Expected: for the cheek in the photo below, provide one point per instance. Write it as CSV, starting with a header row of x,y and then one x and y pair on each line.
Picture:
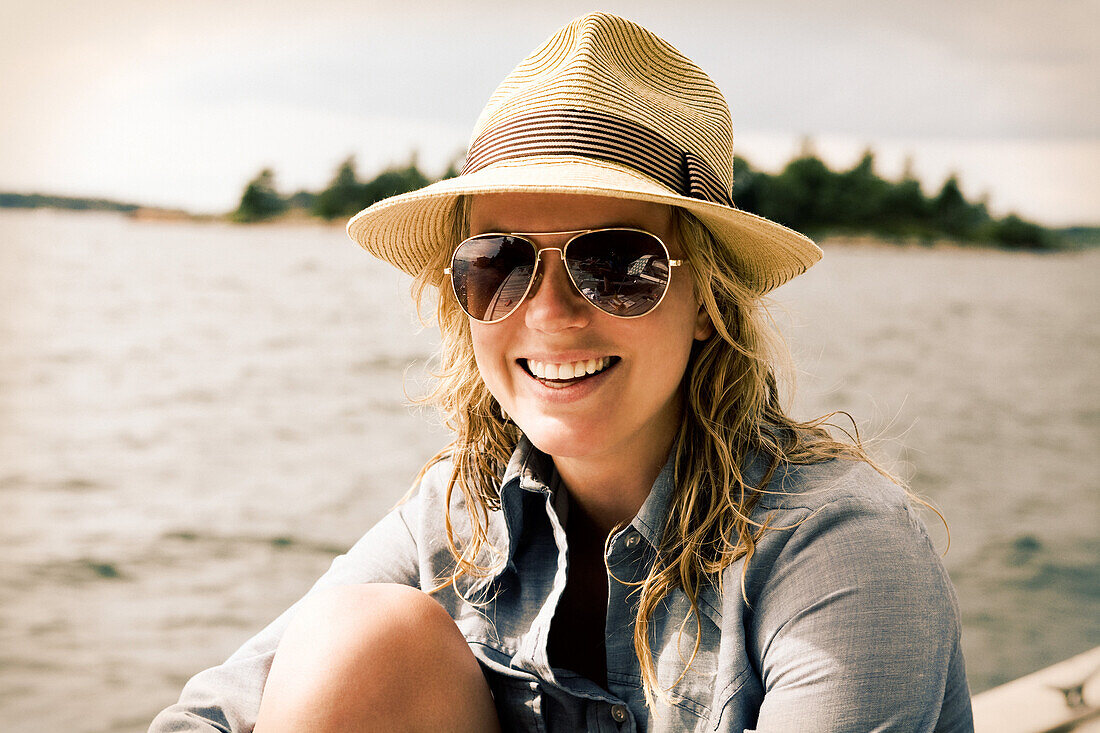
x,y
489,345
664,345
482,346
683,313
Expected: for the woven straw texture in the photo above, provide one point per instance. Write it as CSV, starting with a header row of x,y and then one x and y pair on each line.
x,y
648,124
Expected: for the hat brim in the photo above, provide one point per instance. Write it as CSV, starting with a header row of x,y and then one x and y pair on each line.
x,y
406,230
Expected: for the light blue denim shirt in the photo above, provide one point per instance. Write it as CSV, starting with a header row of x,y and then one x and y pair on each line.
x,y
850,622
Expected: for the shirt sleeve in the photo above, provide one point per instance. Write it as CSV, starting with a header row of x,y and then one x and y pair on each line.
x,y
227,697
857,628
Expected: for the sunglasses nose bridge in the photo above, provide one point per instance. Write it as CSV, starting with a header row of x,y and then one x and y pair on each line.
x,y
539,253
539,272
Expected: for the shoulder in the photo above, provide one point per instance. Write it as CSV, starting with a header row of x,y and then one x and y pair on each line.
x,y
437,491
841,521
815,486
442,514
843,607
835,497
433,498
434,480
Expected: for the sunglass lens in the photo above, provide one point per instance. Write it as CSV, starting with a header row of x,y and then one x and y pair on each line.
x,y
621,271
491,275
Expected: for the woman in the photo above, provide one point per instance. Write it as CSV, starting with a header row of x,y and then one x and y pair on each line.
x,y
627,531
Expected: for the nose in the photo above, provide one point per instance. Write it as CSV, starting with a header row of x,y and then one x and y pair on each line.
x,y
554,304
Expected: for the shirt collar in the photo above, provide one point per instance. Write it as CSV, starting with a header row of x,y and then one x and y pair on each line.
x,y
528,468
651,517
531,470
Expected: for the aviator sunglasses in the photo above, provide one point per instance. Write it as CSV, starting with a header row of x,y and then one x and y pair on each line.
x,y
623,272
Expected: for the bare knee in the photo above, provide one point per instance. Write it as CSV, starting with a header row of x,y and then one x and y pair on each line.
x,y
365,657
379,617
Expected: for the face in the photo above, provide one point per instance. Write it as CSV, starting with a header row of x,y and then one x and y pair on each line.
x,y
633,404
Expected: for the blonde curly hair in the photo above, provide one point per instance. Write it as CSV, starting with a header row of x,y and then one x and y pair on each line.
x,y
732,406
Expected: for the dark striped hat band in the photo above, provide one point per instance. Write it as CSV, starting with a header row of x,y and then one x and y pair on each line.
x,y
603,137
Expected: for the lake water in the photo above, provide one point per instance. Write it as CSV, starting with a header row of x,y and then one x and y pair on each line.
x,y
194,418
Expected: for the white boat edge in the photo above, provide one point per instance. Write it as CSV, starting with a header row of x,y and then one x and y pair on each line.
x,y
1062,697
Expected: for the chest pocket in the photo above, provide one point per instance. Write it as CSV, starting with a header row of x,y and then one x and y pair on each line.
x,y
701,685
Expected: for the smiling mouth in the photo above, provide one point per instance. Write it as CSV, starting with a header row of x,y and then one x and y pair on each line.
x,y
567,372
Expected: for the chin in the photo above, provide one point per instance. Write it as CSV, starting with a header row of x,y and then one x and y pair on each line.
x,y
562,441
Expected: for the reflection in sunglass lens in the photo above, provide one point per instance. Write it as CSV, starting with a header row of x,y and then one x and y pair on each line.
x,y
620,271
491,275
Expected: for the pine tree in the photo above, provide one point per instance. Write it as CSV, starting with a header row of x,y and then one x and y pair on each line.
x,y
260,199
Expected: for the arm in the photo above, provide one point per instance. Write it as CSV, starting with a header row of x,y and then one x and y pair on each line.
x,y
856,627
226,698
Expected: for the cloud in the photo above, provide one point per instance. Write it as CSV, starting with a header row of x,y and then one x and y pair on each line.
x,y
108,91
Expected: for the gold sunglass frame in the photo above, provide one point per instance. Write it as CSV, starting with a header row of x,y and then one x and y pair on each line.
x,y
535,272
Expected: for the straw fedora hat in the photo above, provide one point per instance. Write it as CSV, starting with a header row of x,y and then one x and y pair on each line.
x,y
605,108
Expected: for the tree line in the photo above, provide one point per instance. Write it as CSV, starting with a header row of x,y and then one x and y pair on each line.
x,y
807,195
74,203
344,196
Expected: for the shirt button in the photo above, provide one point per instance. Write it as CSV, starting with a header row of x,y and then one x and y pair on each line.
x,y
633,539
618,713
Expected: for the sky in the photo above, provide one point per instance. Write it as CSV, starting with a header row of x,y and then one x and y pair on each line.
x,y
179,103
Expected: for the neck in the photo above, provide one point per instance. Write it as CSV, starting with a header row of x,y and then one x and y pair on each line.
x,y
610,489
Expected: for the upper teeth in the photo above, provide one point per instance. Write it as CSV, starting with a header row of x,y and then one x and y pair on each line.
x,y
570,370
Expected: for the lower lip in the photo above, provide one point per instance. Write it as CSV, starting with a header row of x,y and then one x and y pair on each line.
x,y
562,392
